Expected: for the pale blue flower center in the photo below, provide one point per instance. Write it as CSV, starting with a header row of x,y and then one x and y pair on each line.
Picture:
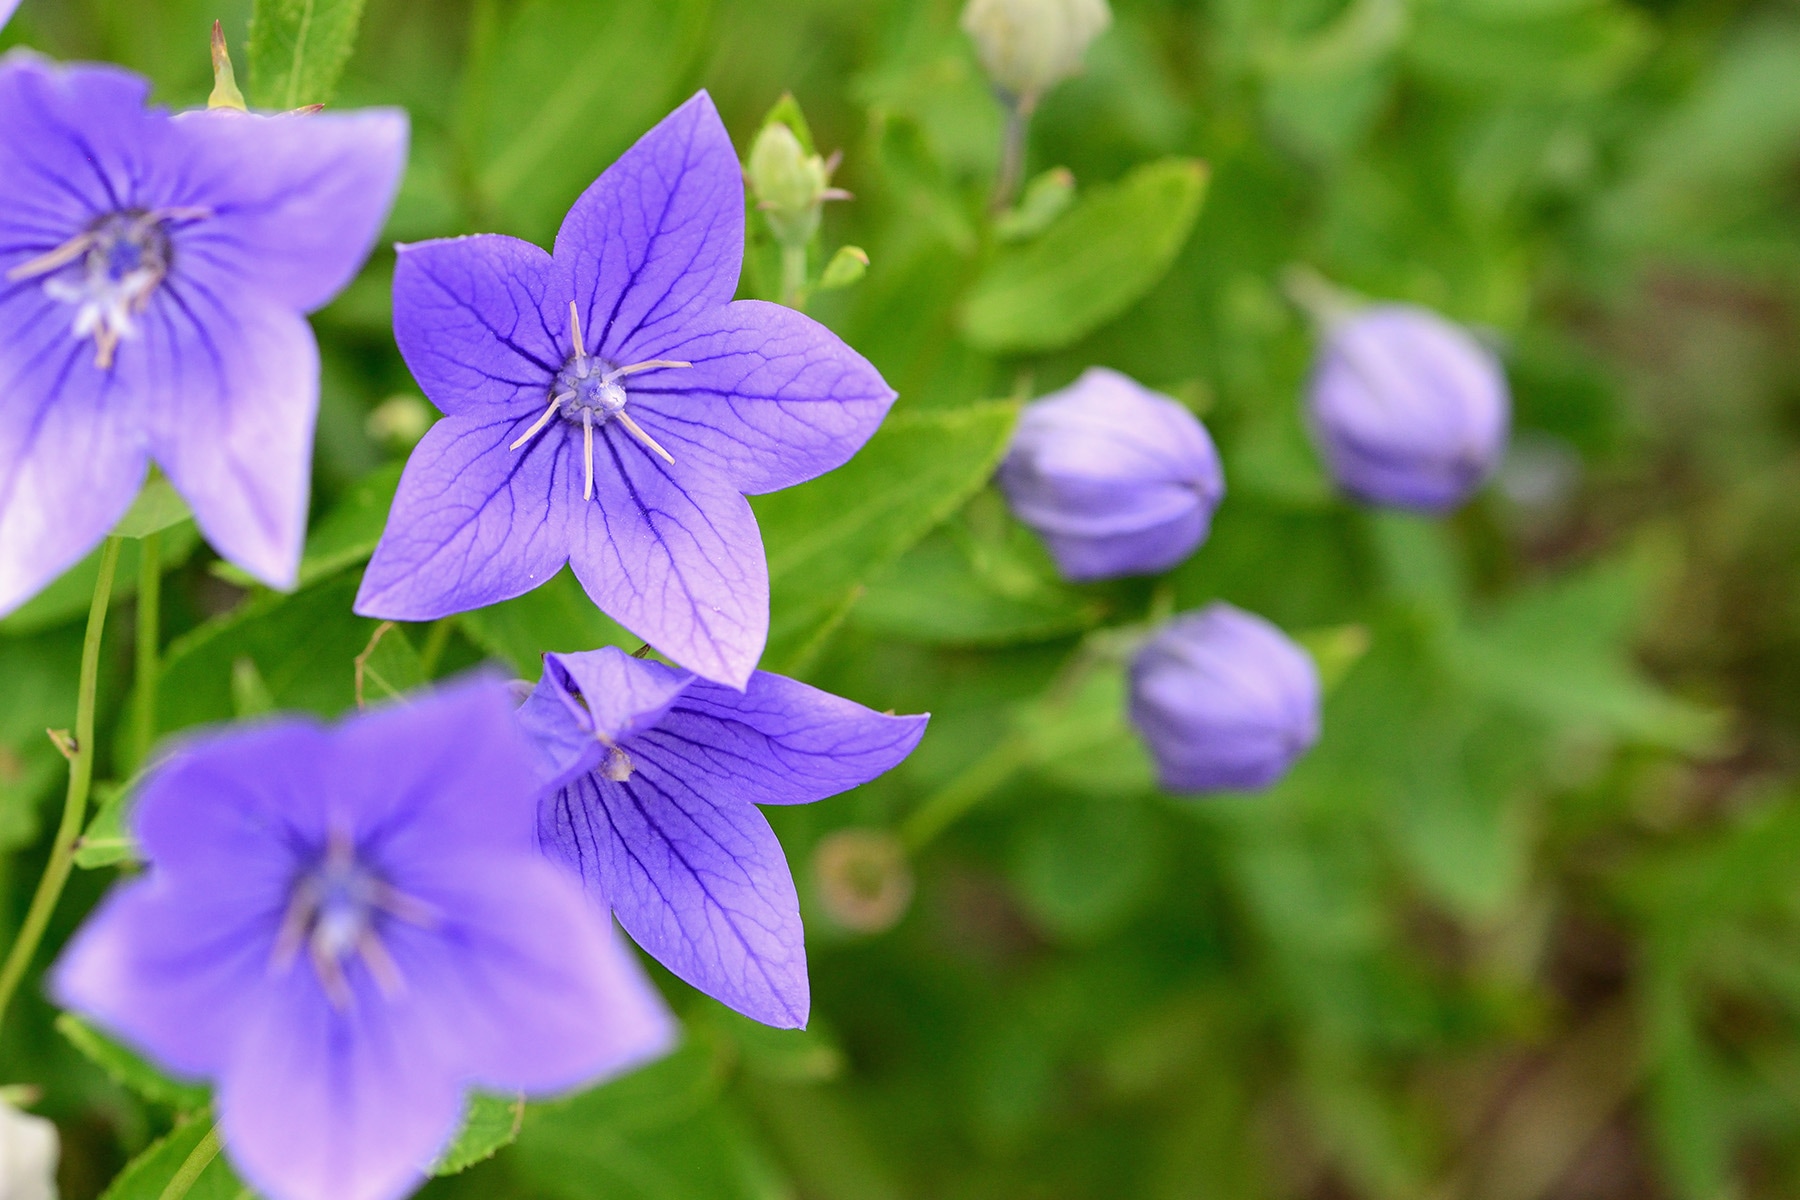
x,y
339,910
591,388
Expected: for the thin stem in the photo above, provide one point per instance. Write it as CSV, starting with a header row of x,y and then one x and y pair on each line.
x,y
149,647
1012,156
193,1166
978,781
793,275
81,777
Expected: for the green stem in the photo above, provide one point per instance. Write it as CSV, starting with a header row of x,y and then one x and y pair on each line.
x,y
436,639
149,646
81,777
978,781
198,1159
793,275
1012,157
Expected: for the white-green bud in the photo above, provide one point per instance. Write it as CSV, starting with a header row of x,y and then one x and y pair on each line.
x,y
29,1149
1028,47
790,185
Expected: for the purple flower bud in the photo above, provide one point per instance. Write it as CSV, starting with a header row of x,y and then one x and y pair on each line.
x,y
1409,410
1117,479
1224,700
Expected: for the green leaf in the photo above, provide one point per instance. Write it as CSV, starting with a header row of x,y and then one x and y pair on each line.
x,y
66,600
346,536
157,507
1046,198
490,1125
557,89
1082,866
129,1069
1090,266
846,267
107,841
825,539
557,616
298,48
388,666
39,676
147,1177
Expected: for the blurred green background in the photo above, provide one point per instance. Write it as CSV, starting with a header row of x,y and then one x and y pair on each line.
x,y
1525,926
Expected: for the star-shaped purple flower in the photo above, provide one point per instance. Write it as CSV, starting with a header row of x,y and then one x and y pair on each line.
x,y
346,929
154,269
652,781
609,406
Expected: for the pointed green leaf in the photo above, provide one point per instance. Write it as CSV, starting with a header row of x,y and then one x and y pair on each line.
x,y
298,48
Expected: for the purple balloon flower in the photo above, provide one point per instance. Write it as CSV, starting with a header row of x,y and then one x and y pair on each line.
x,y
1409,409
653,777
154,270
1117,479
1224,700
609,406
346,929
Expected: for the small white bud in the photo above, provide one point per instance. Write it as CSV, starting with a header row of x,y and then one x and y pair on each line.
x,y
789,183
29,1149
1028,47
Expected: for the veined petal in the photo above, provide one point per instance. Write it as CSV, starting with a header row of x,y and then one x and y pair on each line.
x,y
778,742
588,702
658,239
701,884
71,454
296,202
228,383
469,318
680,564
773,397
473,523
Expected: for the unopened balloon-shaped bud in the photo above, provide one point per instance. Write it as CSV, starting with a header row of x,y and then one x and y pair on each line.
x,y
1224,700
1409,410
1117,479
29,1149
790,183
1028,47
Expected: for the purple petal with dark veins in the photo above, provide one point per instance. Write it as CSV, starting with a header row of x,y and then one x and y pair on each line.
x,y
296,202
71,457
227,387
473,523
773,397
590,701
702,884
672,555
658,240
777,742
469,316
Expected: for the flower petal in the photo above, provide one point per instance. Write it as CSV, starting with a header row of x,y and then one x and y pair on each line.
x,y
71,458
773,397
779,741
469,318
473,523
701,884
679,562
296,202
228,384
658,240
589,701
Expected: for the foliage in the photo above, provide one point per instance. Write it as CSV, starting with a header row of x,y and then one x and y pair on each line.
x,y
1525,925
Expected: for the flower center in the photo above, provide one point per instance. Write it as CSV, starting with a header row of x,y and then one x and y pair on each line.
x,y
109,272
587,393
337,911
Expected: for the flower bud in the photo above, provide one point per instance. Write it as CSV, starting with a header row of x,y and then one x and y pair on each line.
x,y
1409,410
1028,47
1224,700
29,1149
1117,479
790,185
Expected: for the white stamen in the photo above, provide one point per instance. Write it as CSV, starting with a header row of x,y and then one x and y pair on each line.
x,y
575,333
541,421
62,256
637,431
655,364
587,449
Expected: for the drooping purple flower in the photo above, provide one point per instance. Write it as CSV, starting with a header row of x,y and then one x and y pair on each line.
x,y
1409,409
154,269
653,776
1117,479
609,406
1224,700
347,928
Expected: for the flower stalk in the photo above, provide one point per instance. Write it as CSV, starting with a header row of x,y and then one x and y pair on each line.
x,y
149,646
81,778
